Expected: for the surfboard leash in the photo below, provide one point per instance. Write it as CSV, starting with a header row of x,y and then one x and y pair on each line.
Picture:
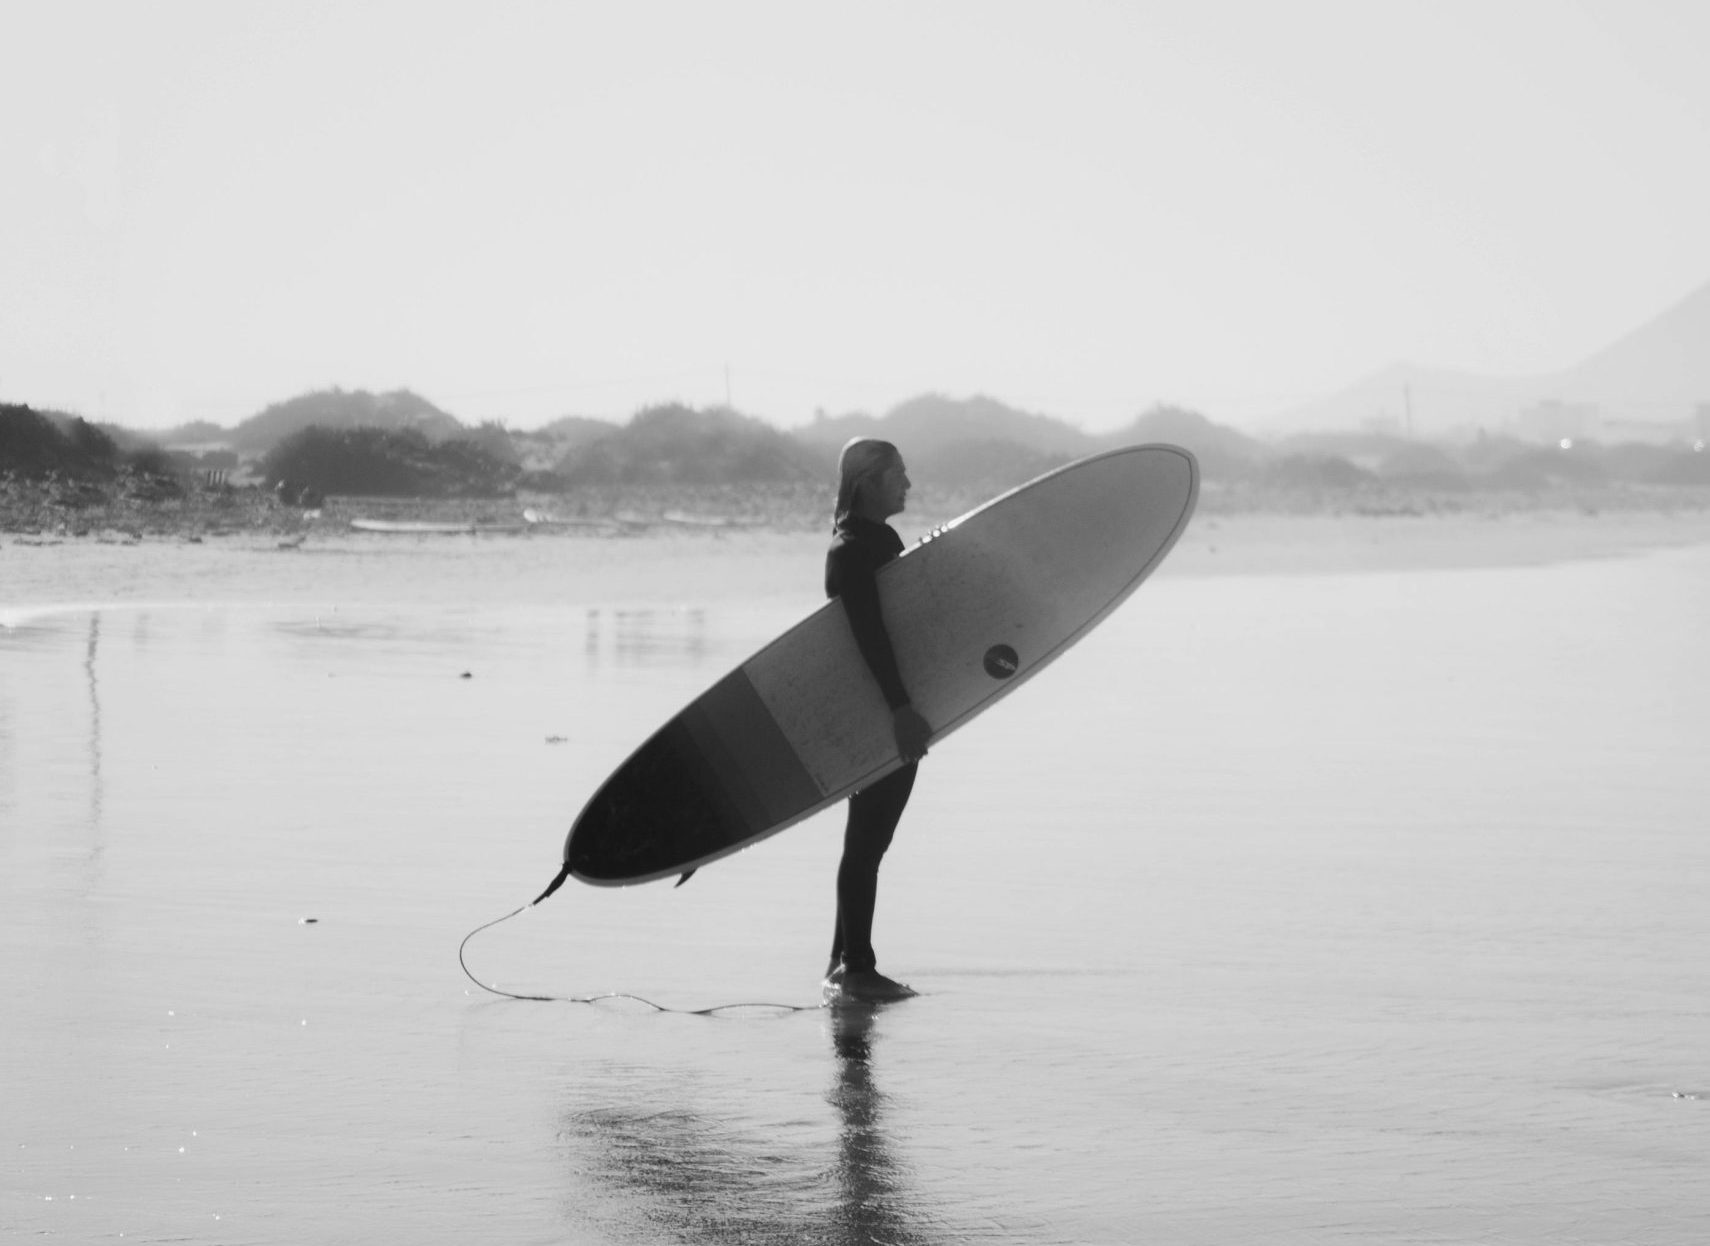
x,y
715,1010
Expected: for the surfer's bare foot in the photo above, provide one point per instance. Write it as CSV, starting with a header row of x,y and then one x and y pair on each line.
x,y
873,987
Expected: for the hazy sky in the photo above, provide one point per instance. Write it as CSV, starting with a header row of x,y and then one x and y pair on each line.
x,y
529,210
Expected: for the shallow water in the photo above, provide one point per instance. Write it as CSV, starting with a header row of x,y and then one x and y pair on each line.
x,y
1365,909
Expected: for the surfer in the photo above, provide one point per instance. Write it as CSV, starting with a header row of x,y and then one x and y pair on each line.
x,y
873,485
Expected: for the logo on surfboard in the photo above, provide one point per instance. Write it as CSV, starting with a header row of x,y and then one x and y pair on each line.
x,y
1001,662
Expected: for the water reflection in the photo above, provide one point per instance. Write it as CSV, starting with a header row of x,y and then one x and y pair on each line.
x,y
646,637
331,626
672,1172
873,1204
96,791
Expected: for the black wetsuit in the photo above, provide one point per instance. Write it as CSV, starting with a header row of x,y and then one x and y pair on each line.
x,y
859,548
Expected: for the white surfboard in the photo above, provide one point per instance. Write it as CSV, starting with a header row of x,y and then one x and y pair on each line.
x,y
974,611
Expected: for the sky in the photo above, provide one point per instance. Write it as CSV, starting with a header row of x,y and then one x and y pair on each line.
x,y
528,210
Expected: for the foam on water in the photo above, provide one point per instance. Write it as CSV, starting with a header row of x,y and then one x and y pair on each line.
x,y
1326,909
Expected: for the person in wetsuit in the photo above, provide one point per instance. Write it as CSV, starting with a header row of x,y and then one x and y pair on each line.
x,y
873,485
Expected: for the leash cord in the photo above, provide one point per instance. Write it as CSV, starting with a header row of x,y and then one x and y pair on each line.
x,y
715,1010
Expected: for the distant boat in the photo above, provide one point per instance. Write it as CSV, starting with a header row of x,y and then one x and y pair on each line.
x,y
421,527
688,519
416,526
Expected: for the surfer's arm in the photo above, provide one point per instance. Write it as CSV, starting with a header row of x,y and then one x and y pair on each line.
x,y
853,581
858,590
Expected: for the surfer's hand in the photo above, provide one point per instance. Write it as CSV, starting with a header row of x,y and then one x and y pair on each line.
x,y
913,733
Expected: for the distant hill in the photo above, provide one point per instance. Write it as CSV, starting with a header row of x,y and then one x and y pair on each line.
x,y
338,408
1408,400
1641,386
675,444
35,445
195,433
383,462
959,444
933,422
980,443
965,446
1221,451
959,452
968,446
575,430
1655,372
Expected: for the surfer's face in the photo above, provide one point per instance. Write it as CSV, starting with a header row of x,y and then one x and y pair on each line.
x,y
890,489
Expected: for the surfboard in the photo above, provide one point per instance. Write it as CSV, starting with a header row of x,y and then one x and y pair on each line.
x,y
974,610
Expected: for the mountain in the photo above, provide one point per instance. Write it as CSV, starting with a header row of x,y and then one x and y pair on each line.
x,y
674,444
1646,386
1654,371
980,443
337,408
930,423
1221,451
543,449
976,443
1410,400
195,433
36,445
575,430
385,462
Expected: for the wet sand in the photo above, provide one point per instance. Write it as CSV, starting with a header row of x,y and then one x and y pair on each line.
x,y
1346,887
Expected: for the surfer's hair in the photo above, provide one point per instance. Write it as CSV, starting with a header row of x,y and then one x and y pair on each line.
x,y
861,460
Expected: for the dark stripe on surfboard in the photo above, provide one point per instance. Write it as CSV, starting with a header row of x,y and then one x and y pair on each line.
x,y
714,777
747,752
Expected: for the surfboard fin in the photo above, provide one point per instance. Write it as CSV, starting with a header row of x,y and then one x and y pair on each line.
x,y
687,875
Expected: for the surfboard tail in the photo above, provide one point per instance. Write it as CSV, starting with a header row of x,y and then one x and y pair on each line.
x,y
554,885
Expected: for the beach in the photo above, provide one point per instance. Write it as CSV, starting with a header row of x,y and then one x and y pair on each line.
x,y
1347,885
335,564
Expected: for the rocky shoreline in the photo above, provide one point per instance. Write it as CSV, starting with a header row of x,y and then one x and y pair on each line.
x,y
134,507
